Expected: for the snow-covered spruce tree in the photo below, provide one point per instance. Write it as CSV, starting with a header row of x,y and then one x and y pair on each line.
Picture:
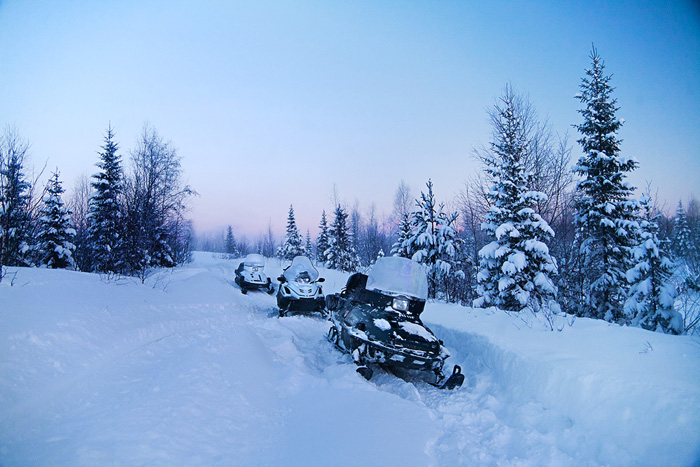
x,y
292,245
309,248
15,220
683,245
322,240
606,218
650,303
433,240
105,212
340,254
230,243
404,233
56,233
515,269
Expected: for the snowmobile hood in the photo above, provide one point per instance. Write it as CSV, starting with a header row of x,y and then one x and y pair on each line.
x,y
397,276
254,259
299,265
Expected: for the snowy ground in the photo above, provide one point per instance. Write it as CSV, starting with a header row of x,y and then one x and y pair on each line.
x,y
186,370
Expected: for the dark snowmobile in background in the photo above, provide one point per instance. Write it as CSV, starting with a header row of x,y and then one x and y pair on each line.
x,y
300,288
376,319
250,275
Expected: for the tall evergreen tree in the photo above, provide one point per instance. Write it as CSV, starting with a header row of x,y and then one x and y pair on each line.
x,y
15,221
104,217
56,233
433,239
606,213
652,294
340,253
515,268
322,240
292,245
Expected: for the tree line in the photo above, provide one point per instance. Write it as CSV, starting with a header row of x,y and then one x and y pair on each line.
x,y
530,232
118,222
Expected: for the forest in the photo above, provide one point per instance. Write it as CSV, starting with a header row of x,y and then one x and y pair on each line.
x,y
533,231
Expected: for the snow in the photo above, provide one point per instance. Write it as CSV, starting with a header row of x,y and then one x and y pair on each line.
x,y
185,370
382,324
417,330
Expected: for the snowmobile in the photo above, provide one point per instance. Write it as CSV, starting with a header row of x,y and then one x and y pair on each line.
x,y
250,275
300,290
376,319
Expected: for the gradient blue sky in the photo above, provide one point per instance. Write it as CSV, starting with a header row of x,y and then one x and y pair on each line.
x,y
271,103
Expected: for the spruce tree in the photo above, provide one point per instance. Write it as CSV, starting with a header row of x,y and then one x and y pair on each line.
x,y
15,221
683,245
404,233
433,239
309,248
104,218
292,245
322,240
340,253
55,245
606,213
650,303
515,270
230,243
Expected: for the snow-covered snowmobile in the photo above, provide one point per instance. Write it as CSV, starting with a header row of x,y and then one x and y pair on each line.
x,y
376,319
250,275
300,288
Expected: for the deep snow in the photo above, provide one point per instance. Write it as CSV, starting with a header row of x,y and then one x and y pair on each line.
x,y
185,370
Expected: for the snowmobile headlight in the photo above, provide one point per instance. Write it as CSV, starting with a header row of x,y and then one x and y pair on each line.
x,y
255,268
400,304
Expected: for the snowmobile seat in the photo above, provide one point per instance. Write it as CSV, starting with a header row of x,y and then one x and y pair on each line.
x,y
356,283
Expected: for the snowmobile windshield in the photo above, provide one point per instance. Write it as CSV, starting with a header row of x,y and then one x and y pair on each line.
x,y
254,260
396,276
301,270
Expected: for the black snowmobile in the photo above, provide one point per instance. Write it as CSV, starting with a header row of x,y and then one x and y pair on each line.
x,y
250,275
300,290
376,319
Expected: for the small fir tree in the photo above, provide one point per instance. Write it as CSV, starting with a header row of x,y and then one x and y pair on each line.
x,y
104,217
683,245
56,233
652,295
230,243
322,240
433,239
606,214
292,245
340,253
515,269
404,233
309,248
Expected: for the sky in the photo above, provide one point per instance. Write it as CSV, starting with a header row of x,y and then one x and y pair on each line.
x,y
288,102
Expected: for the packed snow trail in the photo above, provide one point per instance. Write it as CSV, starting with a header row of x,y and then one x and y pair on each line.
x,y
186,370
